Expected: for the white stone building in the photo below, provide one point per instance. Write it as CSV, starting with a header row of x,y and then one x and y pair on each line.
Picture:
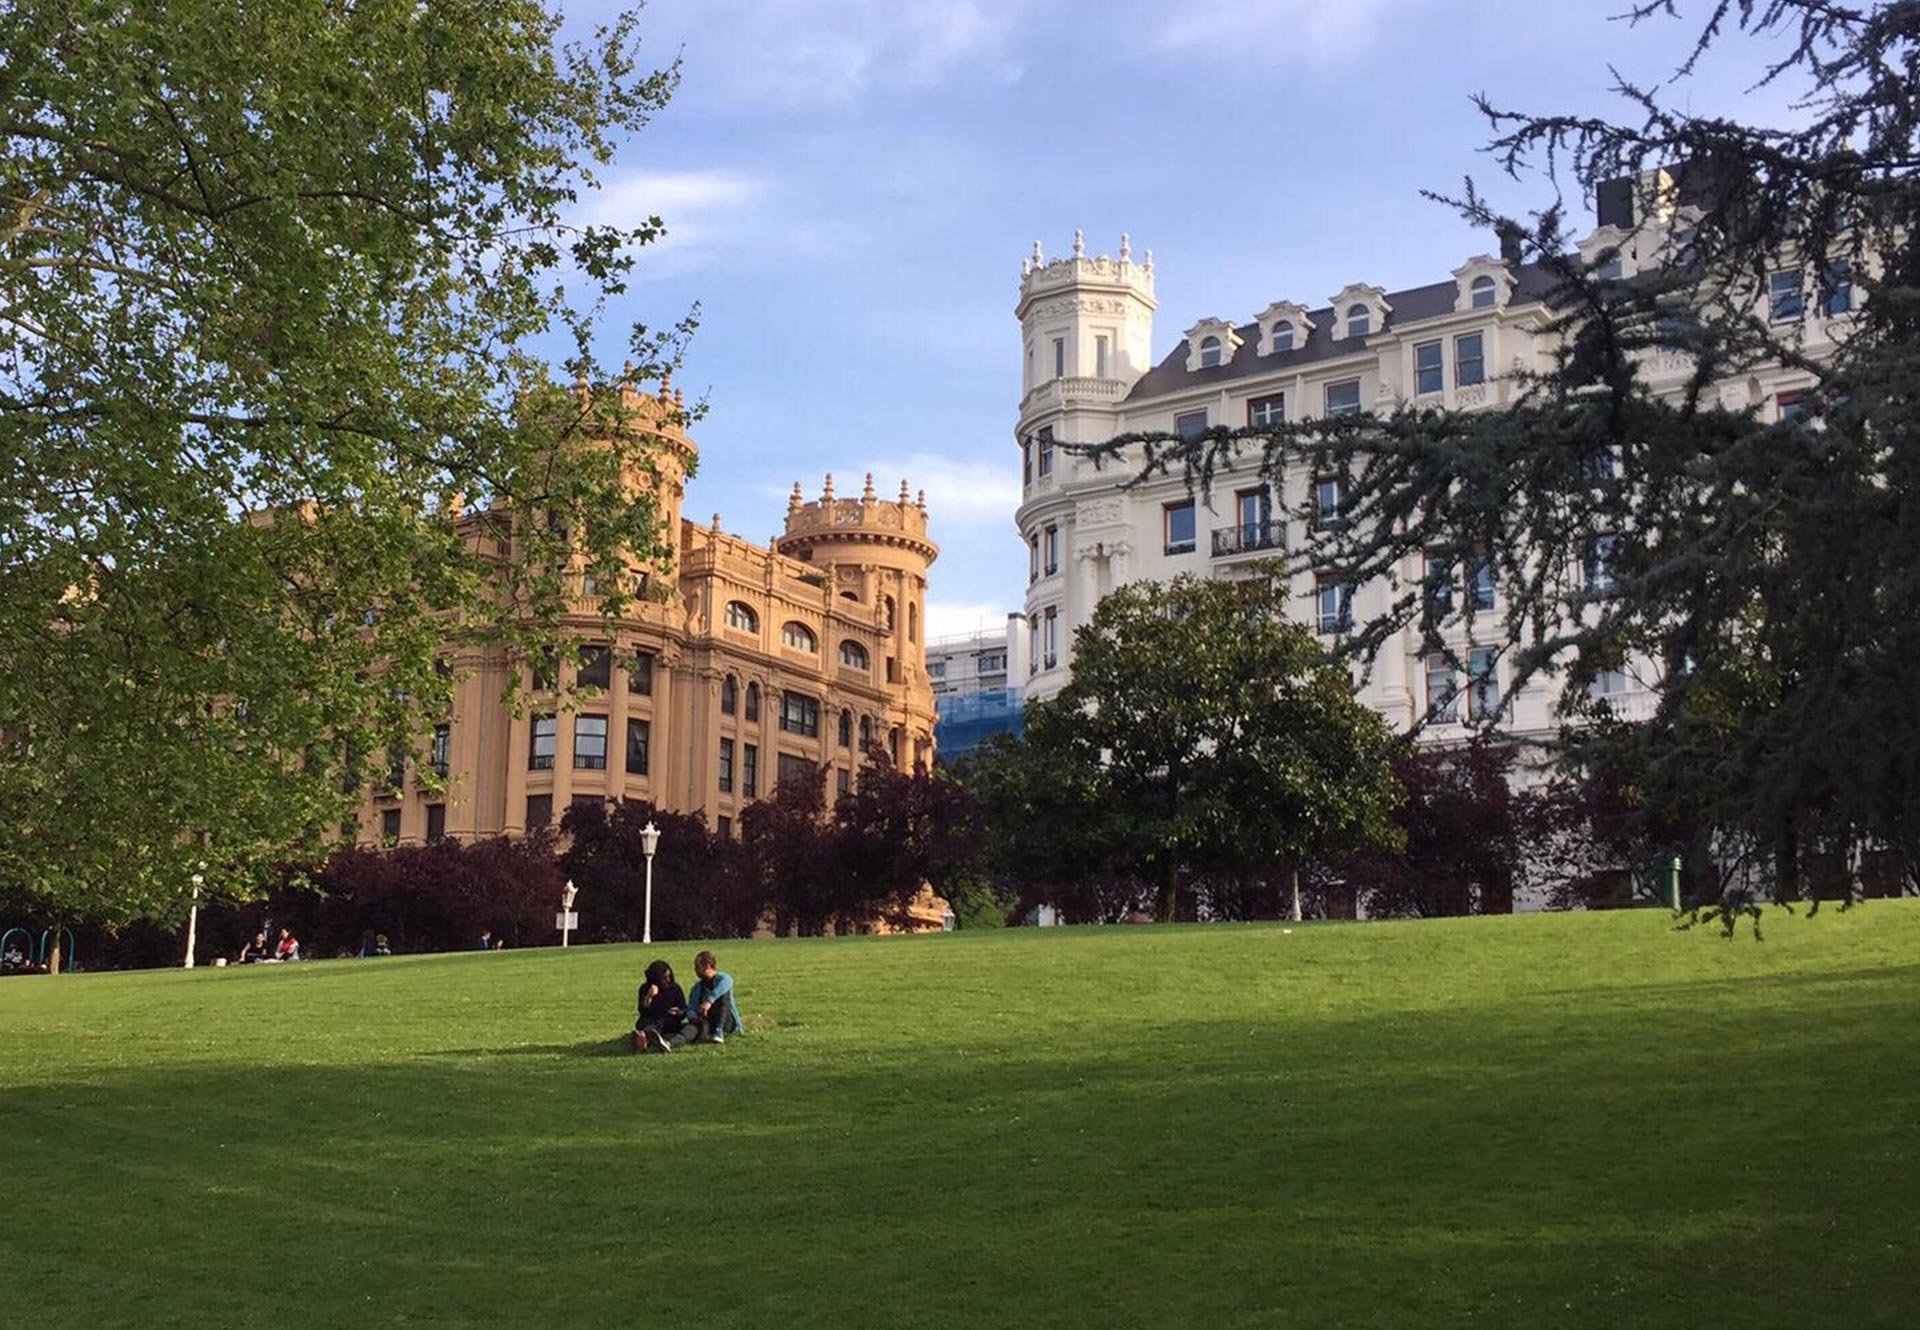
x,y
1087,325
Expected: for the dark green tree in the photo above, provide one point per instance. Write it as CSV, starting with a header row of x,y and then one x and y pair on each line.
x,y
280,284
1762,570
1202,731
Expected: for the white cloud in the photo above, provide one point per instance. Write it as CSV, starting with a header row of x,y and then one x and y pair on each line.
x,y
960,491
822,52
703,211
1274,32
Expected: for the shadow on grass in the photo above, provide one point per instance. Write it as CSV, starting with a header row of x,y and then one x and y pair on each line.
x,y
1489,1166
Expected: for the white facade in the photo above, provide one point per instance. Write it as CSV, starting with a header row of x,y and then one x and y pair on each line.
x,y
1086,325
979,662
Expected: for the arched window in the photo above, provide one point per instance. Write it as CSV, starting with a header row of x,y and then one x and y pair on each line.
x,y
913,622
866,733
796,636
1480,295
886,604
753,701
1283,336
846,729
729,695
1209,352
854,656
740,615
893,744
853,596
1359,320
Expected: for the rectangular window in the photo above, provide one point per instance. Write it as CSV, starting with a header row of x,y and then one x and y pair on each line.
x,y
1469,360
1266,412
1059,357
1052,547
726,766
390,826
1100,356
1254,511
640,675
994,664
1443,693
1190,424
1180,528
639,746
1791,405
1596,563
440,755
936,669
1343,398
1597,467
1438,580
546,671
796,768
750,771
1335,606
546,731
1784,297
1050,636
725,828
1033,558
1046,450
1838,290
539,812
436,823
590,743
1428,373
1033,646
1483,681
1026,462
1610,683
842,782
1328,502
1480,573
800,714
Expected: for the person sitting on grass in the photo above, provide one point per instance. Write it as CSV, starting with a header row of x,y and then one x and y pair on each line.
x,y
255,950
663,1011
288,948
712,1013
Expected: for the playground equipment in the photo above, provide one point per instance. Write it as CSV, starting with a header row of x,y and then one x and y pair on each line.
x,y
6,941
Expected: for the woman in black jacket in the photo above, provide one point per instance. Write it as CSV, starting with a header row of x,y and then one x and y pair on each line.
x,y
663,1010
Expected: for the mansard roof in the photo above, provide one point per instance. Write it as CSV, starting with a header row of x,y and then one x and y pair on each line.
x,y
1532,284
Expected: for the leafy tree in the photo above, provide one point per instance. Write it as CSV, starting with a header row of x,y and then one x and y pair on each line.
x,y
1762,575
278,280
701,887
900,829
1201,732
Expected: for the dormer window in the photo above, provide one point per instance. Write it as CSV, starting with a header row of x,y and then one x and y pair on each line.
x,y
1360,311
1211,344
1484,282
1606,254
1359,320
1284,326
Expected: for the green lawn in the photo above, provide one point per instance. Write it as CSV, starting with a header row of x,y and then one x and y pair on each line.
x,y
1537,1121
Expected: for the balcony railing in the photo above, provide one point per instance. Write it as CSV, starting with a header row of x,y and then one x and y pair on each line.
x,y
1249,538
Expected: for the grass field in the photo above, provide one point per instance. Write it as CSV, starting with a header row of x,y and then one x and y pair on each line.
x,y
1549,1120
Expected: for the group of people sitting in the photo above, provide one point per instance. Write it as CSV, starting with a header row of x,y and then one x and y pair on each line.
x,y
670,1018
284,948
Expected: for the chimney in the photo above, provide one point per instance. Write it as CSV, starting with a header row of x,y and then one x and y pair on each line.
x,y
1512,239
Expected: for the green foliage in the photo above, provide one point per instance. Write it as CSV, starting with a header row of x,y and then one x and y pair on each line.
x,y
1576,1120
1764,580
1201,732
292,259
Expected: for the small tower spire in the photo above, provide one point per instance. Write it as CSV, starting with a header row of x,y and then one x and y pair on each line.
x,y
1126,248
793,500
922,503
826,491
1039,259
905,494
866,495
1079,243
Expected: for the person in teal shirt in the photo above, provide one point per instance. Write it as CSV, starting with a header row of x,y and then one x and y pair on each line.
x,y
712,1012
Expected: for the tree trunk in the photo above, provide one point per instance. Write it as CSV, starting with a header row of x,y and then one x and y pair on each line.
x,y
1169,890
53,951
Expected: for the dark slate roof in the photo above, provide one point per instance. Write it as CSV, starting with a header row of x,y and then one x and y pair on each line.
x,y
1532,283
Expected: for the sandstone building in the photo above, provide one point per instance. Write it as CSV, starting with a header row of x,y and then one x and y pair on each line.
x,y
744,663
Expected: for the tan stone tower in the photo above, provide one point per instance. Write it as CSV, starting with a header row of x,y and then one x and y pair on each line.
x,y
876,553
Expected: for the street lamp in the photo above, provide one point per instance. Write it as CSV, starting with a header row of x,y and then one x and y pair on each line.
x,y
193,915
649,841
566,911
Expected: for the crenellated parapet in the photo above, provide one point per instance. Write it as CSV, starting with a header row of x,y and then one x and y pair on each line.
x,y
1041,276
868,520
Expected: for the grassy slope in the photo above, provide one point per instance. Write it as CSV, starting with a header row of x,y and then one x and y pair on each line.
x,y
1548,1120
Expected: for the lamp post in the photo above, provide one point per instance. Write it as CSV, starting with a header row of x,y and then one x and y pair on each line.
x,y
649,841
193,916
566,911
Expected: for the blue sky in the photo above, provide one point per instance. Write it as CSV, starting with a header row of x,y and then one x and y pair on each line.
x,y
849,187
